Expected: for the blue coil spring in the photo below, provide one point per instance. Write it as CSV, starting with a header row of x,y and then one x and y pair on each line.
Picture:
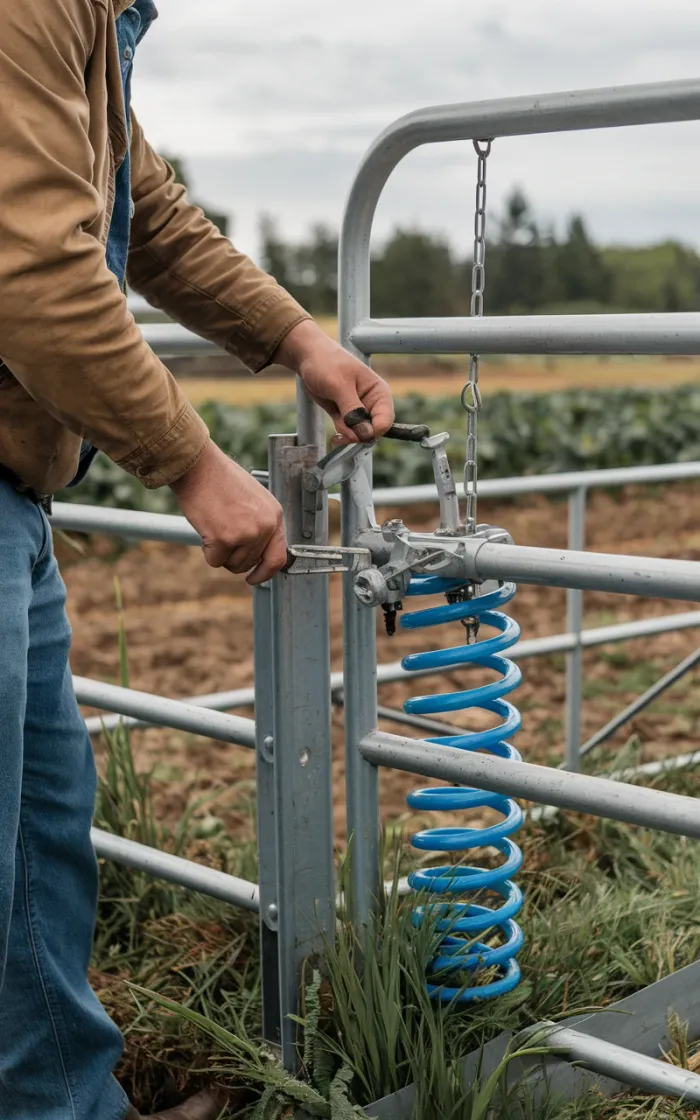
x,y
462,922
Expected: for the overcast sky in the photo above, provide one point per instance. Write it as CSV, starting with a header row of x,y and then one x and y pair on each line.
x,y
272,103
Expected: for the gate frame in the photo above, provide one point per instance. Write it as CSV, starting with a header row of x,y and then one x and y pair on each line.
x,y
363,336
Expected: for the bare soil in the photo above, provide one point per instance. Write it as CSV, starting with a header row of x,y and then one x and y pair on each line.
x,y
189,632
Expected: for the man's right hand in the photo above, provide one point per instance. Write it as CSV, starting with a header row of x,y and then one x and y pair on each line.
x,y
240,523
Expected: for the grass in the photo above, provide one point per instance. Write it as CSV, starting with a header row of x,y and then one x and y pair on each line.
x,y
609,910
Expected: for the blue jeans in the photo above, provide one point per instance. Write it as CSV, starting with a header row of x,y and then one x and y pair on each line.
x,y
58,1047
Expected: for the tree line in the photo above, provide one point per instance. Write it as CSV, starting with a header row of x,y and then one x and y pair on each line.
x,y
528,270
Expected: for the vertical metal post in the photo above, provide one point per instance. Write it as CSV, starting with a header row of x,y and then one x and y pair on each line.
x,y
311,432
265,793
311,421
302,751
361,777
574,625
359,634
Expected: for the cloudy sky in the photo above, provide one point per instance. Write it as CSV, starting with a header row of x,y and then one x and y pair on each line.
x,y
273,103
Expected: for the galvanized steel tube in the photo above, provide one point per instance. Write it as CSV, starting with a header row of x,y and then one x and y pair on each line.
x,y
668,333
132,523
574,625
392,671
174,869
562,483
360,699
638,1070
650,808
641,702
589,571
170,340
166,713
167,527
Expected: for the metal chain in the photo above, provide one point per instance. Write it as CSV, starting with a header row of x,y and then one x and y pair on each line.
x,y
471,394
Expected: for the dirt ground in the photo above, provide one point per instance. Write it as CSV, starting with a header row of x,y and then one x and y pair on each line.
x,y
189,632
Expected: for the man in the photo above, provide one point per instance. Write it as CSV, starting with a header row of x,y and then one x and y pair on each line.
x,y
84,202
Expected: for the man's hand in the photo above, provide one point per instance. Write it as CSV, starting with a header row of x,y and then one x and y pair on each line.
x,y
240,524
337,381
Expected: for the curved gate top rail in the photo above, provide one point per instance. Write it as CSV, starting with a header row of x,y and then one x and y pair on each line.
x,y
575,110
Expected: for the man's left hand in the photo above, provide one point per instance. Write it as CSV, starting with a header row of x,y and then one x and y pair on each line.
x,y
337,381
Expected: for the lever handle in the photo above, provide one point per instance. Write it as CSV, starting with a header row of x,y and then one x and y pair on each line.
x,y
409,433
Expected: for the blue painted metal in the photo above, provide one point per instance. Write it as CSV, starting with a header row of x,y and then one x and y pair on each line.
x,y
465,924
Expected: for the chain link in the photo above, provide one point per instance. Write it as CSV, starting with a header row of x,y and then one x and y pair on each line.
x,y
471,394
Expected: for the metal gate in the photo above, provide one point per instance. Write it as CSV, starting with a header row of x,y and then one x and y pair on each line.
x,y
293,684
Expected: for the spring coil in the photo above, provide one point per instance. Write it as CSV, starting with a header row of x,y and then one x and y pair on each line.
x,y
462,922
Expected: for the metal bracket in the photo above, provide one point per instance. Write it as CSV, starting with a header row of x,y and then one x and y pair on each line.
x,y
344,465
307,560
396,550
339,466
450,521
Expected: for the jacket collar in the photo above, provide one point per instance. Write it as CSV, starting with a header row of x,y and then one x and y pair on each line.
x,y
121,6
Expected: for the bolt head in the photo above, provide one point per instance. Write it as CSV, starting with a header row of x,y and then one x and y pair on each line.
x,y
310,482
370,587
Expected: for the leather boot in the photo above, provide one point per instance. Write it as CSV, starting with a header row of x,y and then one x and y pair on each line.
x,y
207,1105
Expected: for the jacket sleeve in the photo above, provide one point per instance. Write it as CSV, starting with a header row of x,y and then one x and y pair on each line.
x,y
181,264
65,330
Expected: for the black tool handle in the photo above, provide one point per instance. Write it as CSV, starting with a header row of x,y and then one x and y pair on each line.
x,y
409,433
412,433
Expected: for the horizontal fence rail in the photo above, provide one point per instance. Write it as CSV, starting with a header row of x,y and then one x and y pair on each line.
x,y
131,523
590,571
174,869
582,793
641,1071
170,340
393,670
166,713
565,482
675,333
138,525
656,333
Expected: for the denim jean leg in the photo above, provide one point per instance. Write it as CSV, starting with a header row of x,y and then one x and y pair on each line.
x,y
20,544
58,1047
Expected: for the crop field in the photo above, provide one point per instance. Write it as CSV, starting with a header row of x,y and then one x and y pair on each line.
x,y
609,908
441,377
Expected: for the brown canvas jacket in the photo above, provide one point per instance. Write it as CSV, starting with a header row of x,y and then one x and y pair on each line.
x,y
76,363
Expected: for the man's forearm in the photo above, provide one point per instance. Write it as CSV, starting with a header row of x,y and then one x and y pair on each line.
x,y
303,339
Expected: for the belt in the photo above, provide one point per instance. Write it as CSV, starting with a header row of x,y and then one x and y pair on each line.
x,y
43,500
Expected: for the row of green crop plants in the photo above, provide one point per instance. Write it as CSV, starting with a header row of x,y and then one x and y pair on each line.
x,y
519,434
